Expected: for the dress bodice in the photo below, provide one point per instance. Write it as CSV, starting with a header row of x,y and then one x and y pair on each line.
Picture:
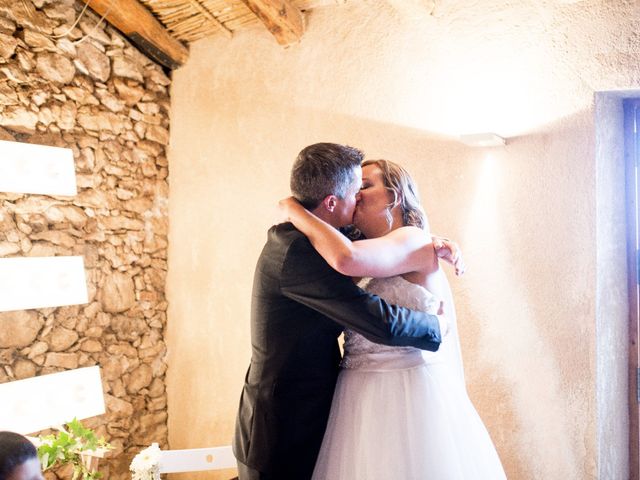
x,y
360,353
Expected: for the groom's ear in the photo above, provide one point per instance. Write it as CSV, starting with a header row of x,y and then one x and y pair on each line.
x,y
330,202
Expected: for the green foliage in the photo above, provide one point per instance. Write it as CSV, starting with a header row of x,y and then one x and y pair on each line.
x,y
67,447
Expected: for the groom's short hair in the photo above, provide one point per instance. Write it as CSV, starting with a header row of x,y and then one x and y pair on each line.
x,y
323,169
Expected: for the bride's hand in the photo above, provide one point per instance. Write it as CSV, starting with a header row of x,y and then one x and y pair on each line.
x,y
449,252
436,307
287,208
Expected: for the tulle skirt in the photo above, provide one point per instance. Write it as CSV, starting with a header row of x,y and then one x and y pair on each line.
x,y
405,424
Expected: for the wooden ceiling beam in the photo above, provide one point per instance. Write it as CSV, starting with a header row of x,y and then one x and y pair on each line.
x,y
142,28
283,19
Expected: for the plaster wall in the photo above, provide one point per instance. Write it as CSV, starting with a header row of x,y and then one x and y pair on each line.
x,y
400,80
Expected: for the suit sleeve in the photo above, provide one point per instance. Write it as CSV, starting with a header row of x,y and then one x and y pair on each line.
x,y
308,279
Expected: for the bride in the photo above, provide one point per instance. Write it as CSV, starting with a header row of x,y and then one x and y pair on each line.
x,y
397,412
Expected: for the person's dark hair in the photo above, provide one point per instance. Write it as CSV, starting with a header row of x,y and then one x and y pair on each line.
x,y
405,193
15,449
323,169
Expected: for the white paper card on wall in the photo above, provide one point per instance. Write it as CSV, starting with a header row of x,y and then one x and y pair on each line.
x,y
196,460
40,282
37,403
26,168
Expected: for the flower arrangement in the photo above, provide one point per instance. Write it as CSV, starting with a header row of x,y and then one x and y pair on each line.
x,y
72,444
144,465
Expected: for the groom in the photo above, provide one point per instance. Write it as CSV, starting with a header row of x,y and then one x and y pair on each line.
x,y
300,305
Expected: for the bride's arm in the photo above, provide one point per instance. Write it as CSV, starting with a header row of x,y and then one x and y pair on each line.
x,y
406,249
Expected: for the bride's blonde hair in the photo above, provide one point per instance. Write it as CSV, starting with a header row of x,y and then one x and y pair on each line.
x,y
405,193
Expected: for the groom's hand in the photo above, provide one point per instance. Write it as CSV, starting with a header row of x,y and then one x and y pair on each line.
x,y
443,323
449,252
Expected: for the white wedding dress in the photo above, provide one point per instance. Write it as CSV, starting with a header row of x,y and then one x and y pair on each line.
x,y
402,414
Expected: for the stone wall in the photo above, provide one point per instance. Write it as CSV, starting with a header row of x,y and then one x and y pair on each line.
x,y
89,90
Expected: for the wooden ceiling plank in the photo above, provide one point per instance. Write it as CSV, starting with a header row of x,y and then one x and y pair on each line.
x,y
189,29
283,19
142,28
245,13
178,16
216,6
240,23
202,9
173,11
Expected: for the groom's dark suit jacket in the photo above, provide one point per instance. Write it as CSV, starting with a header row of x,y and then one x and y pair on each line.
x,y
299,308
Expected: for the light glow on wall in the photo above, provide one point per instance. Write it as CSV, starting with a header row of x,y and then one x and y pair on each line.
x,y
473,84
26,168
40,282
34,404
483,219
505,312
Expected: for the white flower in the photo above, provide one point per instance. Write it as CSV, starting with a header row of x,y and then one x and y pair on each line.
x,y
145,464
147,458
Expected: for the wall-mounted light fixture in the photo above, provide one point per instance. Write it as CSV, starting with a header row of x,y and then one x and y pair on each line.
x,y
483,140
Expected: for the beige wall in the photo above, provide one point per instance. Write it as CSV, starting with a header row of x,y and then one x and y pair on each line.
x,y
401,83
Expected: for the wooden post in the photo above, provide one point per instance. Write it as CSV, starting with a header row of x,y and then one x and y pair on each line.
x,y
281,17
142,28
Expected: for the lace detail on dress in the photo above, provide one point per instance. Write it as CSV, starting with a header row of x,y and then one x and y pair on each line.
x,y
361,353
